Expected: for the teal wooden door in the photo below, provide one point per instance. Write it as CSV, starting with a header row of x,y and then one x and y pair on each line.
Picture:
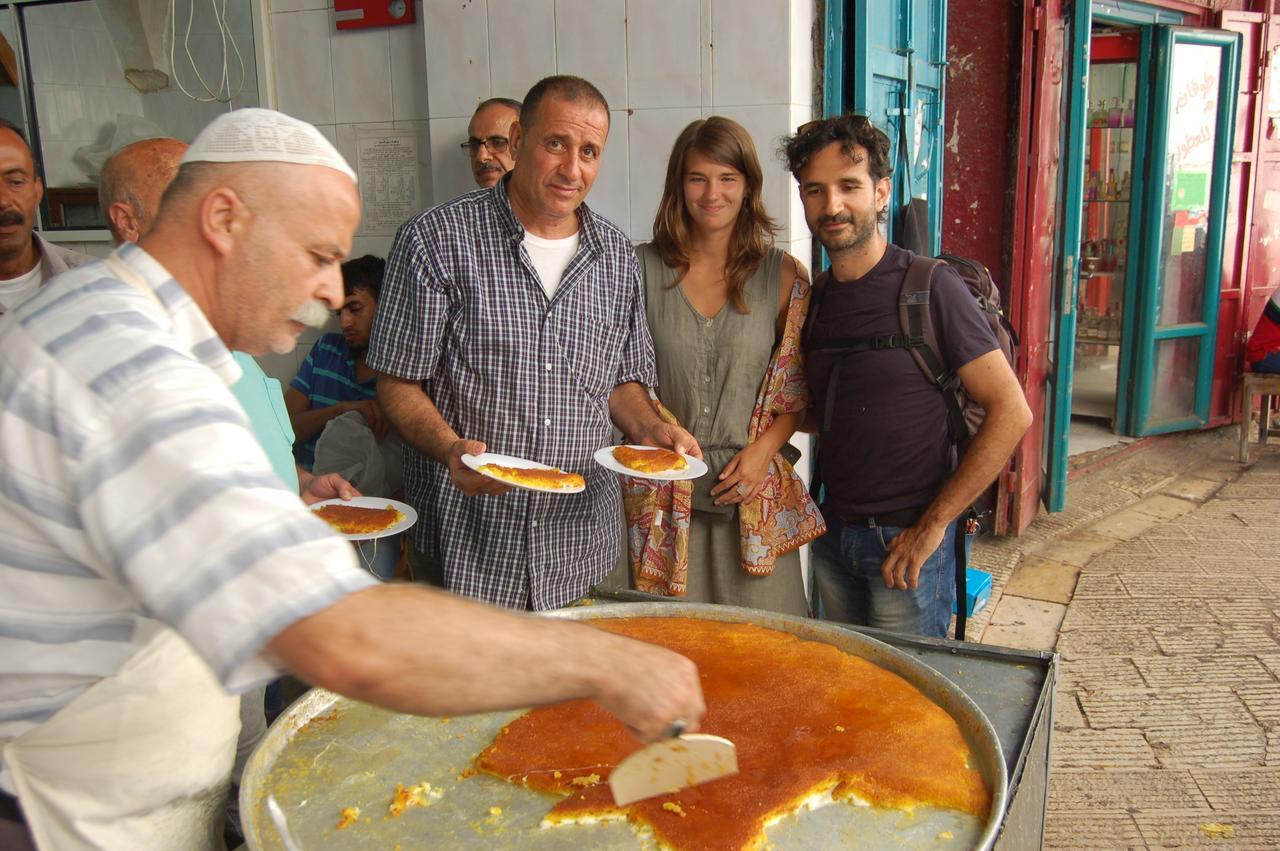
x,y
1189,166
1062,345
898,59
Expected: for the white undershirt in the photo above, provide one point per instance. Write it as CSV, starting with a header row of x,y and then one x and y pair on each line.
x,y
550,257
15,291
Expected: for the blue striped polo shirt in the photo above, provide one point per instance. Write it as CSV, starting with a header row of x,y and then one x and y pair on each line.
x,y
328,377
134,497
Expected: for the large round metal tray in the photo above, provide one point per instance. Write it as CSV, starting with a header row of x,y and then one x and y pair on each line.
x,y
316,761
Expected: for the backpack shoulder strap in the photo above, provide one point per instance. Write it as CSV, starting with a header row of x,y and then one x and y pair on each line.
x,y
916,320
917,327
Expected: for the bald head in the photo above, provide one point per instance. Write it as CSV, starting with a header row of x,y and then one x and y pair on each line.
x,y
132,183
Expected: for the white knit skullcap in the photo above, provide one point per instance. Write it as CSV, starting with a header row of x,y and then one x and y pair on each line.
x,y
264,135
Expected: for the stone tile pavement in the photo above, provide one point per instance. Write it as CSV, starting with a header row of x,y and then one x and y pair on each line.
x,y
1160,589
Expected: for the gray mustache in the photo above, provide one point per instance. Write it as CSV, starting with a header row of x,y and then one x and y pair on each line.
x,y
313,314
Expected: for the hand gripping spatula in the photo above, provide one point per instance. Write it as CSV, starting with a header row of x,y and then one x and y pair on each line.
x,y
672,764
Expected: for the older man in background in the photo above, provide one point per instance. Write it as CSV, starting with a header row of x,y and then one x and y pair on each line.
x,y
27,260
489,140
154,565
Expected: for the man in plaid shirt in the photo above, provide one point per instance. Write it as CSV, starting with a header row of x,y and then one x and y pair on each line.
x,y
512,321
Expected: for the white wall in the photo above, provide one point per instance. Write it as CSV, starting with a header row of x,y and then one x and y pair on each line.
x,y
659,63
341,81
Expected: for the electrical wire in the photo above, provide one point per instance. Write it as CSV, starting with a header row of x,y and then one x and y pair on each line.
x,y
211,95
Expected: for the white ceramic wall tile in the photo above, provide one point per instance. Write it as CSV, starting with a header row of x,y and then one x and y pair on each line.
x,y
239,17
47,53
706,54
767,125
801,65
49,15
408,72
591,42
59,109
378,246
330,132
457,56
751,56
611,194
651,132
84,16
522,45
304,76
361,75
796,224
57,167
664,64
280,367
450,168
277,6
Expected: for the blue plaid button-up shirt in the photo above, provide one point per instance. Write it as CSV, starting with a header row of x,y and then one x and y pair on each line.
x,y
463,311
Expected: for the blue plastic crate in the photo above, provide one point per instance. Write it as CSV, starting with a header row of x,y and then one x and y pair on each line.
x,y
978,591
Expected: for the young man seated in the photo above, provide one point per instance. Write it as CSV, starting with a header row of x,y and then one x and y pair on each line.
x,y
334,378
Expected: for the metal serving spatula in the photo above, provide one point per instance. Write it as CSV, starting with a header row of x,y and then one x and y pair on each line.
x,y
672,764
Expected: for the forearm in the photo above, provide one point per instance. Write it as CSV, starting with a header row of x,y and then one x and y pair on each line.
x,y
307,424
415,417
986,456
780,431
632,410
422,651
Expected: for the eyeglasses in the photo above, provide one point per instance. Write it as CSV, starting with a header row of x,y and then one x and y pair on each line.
x,y
495,144
858,122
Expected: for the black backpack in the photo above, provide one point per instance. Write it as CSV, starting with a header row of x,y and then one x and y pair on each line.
x,y
964,416
918,337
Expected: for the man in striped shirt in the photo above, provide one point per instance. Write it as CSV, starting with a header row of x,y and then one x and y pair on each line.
x,y
335,379
512,320
152,564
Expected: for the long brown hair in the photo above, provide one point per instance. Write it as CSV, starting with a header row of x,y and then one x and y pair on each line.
x,y
727,142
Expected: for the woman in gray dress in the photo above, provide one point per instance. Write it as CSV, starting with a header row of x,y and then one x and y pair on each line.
x,y
717,300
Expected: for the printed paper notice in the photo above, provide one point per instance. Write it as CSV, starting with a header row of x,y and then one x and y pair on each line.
x,y
387,163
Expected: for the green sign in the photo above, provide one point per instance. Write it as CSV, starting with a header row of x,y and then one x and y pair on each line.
x,y
1190,190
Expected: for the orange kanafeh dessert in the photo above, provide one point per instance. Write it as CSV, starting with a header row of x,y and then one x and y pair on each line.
x,y
810,722
354,520
649,460
535,477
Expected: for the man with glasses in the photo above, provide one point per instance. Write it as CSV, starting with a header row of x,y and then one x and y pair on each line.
x,y
489,140
893,492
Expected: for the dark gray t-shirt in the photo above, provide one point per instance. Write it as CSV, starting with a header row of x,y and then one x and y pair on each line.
x,y
888,447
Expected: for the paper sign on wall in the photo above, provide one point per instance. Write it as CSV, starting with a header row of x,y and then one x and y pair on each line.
x,y
387,164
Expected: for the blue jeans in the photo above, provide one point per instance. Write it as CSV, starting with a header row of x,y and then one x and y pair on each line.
x,y
853,589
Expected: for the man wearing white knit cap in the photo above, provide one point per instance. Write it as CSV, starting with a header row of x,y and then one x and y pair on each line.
x,y
152,564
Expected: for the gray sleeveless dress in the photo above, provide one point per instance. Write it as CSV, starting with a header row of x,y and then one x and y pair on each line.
x,y
709,373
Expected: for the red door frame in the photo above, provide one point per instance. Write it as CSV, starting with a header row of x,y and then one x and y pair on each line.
x,y
1035,226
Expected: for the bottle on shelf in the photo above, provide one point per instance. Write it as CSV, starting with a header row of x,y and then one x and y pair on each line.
x,y
1098,115
1112,188
1125,186
1091,187
1115,116
1128,113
